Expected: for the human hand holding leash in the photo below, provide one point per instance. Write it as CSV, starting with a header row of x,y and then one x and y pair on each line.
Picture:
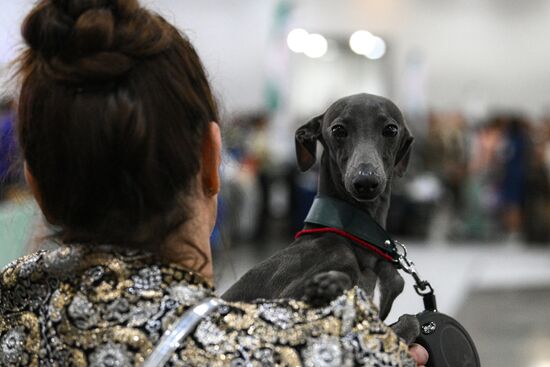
x,y
419,354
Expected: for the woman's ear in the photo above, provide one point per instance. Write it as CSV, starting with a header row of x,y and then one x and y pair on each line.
x,y
211,159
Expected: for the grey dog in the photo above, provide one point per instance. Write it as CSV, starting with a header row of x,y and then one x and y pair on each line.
x,y
366,143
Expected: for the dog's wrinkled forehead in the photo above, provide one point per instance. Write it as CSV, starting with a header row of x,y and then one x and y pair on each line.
x,y
359,106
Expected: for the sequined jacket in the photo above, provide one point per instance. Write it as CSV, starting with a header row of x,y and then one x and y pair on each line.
x,y
76,307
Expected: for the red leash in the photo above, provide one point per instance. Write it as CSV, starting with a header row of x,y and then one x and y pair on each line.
x,y
345,234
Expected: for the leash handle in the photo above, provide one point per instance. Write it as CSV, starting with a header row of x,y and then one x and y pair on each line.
x,y
177,332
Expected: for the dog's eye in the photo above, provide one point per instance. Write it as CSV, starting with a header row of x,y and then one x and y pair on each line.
x,y
390,131
339,131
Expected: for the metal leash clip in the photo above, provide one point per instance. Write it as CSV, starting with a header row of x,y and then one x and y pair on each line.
x,y
422,287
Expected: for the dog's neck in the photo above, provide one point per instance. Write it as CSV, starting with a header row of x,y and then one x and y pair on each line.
x,y
330,184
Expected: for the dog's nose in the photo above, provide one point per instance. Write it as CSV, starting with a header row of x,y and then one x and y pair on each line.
x,y
365,184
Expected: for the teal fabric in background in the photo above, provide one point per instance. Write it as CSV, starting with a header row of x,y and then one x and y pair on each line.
x,y
16,221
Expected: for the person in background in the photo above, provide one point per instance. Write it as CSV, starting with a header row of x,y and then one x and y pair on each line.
x,y
516,158
484,172
259,155
536,213
9,170
448,159
117,125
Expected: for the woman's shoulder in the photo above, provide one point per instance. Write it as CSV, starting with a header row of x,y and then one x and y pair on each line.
x,y
79,263
347,332
78,306
102,270
72,305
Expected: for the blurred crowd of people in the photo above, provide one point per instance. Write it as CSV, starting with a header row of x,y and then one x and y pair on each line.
x,y
469,180
479,181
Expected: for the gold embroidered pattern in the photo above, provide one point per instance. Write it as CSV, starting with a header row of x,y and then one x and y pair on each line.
x,y
77,306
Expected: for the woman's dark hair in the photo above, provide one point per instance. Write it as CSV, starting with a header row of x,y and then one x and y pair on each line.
x,y
113,106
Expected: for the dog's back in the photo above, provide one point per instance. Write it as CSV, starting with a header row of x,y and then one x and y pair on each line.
x,y
285,274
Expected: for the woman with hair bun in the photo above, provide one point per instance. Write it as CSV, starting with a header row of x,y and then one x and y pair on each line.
x,y
117,125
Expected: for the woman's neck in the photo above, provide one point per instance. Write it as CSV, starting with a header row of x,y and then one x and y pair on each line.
x,y
189,245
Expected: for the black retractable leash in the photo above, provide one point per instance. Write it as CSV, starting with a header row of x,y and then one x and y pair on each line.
x,y
447,342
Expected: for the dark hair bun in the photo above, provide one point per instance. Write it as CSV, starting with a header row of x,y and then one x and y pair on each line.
x,y
83,40
113,106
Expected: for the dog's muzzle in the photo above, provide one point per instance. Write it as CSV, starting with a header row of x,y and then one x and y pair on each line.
x,y
366,183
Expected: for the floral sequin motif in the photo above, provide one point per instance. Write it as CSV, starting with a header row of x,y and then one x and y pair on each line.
x,y
280,316
186,295
82,312
325,351
141,313
210,336
12,347
110,355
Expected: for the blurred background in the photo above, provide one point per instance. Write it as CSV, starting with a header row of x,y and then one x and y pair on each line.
x,y
473,80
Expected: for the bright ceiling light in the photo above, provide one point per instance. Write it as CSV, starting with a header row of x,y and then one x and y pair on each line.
x,y
297,40
366,44
361,42
316,46
378,50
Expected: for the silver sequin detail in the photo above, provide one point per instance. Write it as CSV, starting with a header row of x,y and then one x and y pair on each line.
x,y
11,347
185,294
265,356
249,342
341,307
63,261
323,352
29,266
117,310
279,316
110,355
141,313
82,312
210,336
148,279
369,354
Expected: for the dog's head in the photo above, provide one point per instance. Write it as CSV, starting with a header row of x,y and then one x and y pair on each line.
x,y
365,140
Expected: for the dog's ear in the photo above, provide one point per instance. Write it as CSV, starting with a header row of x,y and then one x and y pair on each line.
x,y
403,153
306,142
